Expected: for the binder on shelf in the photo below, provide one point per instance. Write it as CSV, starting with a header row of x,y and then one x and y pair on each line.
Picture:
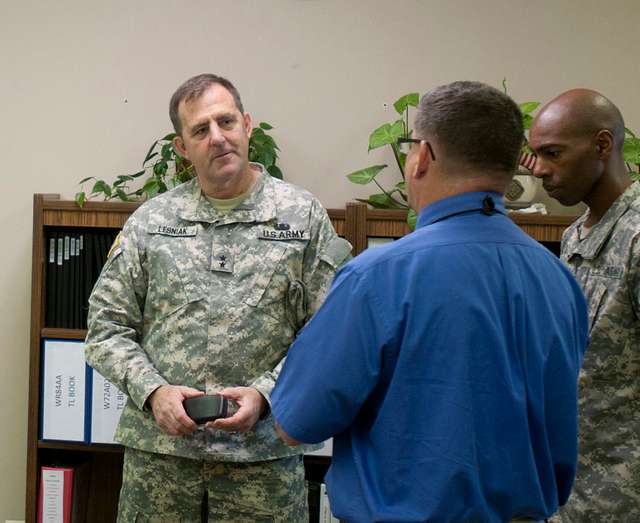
x,y
59,284
71,291
107,404
54,503
51,290
77,310
66,269
64,494
66,378
74,261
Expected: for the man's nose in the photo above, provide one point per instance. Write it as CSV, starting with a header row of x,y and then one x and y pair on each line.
x,y
540,168
215,134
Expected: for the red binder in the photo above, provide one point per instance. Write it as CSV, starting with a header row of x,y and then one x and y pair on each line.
x,y
56,491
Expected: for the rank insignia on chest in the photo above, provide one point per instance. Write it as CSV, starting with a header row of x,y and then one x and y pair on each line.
x,y
282,232
222,260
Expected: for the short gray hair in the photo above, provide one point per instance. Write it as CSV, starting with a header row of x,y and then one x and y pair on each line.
x,y
474,124
194,88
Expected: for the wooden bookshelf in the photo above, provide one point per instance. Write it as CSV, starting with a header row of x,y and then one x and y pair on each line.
x,y
362,223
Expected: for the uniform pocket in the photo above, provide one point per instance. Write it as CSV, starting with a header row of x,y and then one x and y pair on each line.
x,y
176,267
265,278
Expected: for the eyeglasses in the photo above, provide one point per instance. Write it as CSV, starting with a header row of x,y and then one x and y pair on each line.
x,y
404,145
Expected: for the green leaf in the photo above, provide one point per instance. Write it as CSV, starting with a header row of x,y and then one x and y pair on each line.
x,y
411,99
80,198
160,168
631,150
412,218
101,187
169,137
366,175
275,171
265,126
150,188
627,132
527,120
401,186
122,195
528,107
162,187
84,180
167,151
268,158
138,174
382,201
184,174
386,134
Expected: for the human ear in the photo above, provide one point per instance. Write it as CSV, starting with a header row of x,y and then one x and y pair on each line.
x,y
178,144
423,160
604,143
248,124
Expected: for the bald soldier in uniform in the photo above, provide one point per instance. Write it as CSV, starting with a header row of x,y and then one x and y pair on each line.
x,y
204,294
578,140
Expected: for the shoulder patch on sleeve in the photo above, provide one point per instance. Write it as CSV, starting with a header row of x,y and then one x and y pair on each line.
x,y
116,248
337,252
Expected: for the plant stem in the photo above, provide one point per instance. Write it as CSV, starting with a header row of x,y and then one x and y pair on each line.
x,y
395,154
388,194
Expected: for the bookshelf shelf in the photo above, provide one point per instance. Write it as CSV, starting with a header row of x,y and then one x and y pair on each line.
x,y
63,334
82,447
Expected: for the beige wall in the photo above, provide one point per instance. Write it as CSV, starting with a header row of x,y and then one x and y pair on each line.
x,y
85,85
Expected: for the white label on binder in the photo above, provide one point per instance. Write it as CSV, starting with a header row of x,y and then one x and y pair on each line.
x,y
106,406
63,391
52,496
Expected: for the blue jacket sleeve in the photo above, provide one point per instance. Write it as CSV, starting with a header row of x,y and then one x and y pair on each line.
x,y
333,365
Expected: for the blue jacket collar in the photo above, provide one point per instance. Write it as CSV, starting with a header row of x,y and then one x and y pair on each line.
x,y
458,204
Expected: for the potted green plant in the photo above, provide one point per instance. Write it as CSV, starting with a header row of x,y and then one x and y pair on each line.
x,y
388,134
520,192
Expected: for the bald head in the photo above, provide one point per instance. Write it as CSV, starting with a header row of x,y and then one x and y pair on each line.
x,y
578,138
582,112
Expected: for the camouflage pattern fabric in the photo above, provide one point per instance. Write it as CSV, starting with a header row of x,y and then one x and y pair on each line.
x,y
168,489
208,300
606,263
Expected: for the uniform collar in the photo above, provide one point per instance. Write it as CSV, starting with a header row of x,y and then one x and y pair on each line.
x,y
590,247
459,204
259,206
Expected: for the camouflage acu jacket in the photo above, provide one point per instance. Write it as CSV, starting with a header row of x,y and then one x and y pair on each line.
x,y
207,300
607,265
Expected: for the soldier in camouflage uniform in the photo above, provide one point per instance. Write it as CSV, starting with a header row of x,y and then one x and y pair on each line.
x,y
578,139
204,293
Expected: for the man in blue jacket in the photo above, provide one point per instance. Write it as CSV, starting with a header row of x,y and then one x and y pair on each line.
x,y
445,365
